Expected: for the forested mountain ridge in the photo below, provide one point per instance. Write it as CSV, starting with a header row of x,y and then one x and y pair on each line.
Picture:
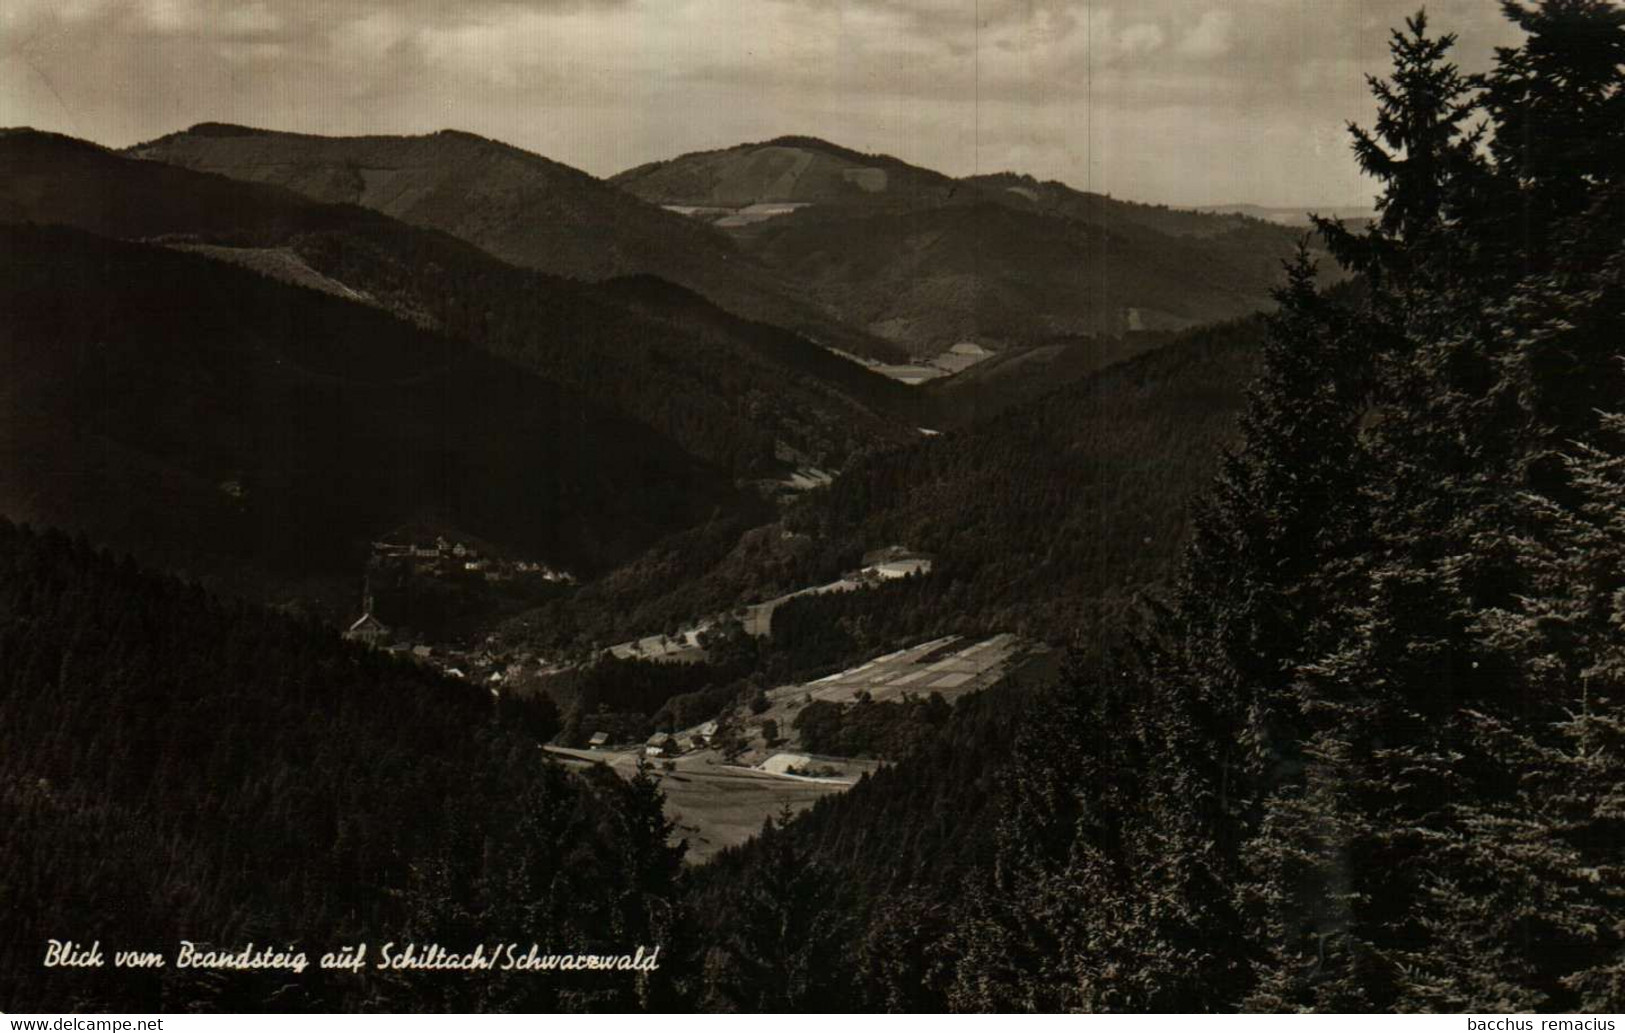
x,y
519,206
1003,277
212,420
929,261
736,394
1117,214
462,184
787,170
1046,518
1054,514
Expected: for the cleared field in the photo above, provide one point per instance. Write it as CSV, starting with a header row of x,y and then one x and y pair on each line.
x,y
957,359
758,620
684,647
751,214
280,263
941,665
716,805
949,666
727,217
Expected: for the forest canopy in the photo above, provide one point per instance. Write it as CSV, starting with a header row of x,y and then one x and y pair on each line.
x,y
1367,754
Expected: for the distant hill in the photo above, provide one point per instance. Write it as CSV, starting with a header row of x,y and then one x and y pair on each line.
x,y
789,169
571,224
216,421
1046,516
1291,216
1005,261
1007,278
1049,517
1014,377
1056,198
744,396
519,206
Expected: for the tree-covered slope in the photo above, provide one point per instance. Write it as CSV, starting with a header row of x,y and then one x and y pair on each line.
x,y
928,261
1365,757
174,767
729,391
208,418
1048,518
521,207
1054,513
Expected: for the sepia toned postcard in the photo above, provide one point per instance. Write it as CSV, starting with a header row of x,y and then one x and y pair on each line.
x,y
809,506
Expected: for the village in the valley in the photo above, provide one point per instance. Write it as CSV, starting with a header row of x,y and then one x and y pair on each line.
x,y
722,776
442,559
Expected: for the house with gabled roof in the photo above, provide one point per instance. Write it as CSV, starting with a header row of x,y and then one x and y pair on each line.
x,y
659,745
368,630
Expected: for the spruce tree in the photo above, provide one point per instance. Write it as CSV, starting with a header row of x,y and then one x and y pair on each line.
x,y
1422,153
1559,118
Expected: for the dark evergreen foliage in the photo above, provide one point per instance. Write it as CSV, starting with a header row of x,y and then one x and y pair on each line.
x,y
220,422
176,767
1366,755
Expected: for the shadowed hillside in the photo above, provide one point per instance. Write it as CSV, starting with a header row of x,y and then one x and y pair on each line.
x,y
176,767
1005,261
743,396
1048,518
1052,515
517,205
205,417
789,169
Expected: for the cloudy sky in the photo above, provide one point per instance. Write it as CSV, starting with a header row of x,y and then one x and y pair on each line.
x,y
1178,101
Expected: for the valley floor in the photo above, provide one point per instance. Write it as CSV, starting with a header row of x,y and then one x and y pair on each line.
x,y
718,805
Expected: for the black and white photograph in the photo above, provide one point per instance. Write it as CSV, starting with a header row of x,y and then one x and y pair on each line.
x,y
795,507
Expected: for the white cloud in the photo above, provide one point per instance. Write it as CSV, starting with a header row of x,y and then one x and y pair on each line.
x,y
1212,35
369,38
173,15
247,20
258,53
1141,38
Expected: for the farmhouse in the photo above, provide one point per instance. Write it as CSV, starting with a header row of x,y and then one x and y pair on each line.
x,y
705,733
659,745
598,741
891,570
